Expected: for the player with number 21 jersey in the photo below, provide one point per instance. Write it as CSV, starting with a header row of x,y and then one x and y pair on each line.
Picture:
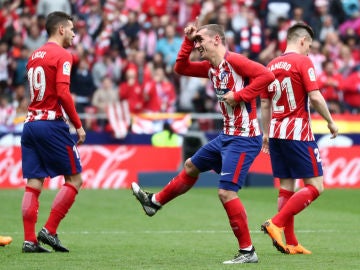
x,y
295,76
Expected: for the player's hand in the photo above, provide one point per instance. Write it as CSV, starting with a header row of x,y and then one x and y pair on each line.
x,y
190,29
229,99
334,130
265,144
81,135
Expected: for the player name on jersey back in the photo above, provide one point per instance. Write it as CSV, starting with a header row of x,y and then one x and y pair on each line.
x,y
38,54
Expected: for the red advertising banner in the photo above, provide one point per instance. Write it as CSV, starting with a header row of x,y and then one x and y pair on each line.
x,y
104,166
113,166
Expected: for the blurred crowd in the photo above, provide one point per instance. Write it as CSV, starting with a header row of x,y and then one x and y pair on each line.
x,y
126,50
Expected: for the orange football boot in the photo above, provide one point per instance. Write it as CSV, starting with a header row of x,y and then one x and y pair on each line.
x,y
299,249
275,233
5,240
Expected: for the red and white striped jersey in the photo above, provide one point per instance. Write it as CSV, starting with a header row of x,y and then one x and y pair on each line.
x,y
235,73
294,79
48,66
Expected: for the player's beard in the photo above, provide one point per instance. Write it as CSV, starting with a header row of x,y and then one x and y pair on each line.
x,y
68,41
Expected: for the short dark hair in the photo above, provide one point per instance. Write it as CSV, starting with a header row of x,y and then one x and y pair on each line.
x,y
298,30
54,18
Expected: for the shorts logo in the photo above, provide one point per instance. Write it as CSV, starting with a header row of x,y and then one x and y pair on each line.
x,y
311,73
66,68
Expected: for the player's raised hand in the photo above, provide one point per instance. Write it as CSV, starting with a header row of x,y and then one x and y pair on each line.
x,y
81,135
190,29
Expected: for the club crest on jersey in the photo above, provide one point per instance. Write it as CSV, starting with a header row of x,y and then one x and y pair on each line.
x,y
66,68
311,73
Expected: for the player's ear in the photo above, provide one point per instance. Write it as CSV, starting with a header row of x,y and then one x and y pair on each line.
x,y
61,29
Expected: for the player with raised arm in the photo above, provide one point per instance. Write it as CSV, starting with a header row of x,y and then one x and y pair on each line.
x,y
232,152
288,136
46,143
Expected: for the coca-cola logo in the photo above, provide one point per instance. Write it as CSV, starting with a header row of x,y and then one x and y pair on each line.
x,y
101,167
111,166
341,170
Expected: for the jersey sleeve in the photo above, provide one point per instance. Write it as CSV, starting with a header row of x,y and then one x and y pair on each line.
x,y
259,76
64,65
184,66
308,74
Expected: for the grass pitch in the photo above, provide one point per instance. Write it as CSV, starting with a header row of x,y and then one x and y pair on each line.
x,y
107,229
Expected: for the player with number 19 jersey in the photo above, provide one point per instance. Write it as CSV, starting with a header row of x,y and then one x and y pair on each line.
x,y
47,100
294,75
48,148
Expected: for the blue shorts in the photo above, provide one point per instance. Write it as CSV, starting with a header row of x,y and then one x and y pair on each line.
x,y
295,159
48,149
229,156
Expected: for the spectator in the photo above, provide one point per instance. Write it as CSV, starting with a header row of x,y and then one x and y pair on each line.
x,y
277,9
168,46
147,40
34,40
154,8
6,114
131,29
327,26
329,82
4,68
82,86
83,38
18,67
317,57
351,91
44,7
165,91
345,63
106,66
251,39
103,96
132,91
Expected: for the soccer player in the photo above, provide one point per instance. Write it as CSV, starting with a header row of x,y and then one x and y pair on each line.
x,y
46,143
288,136
5,240
232,152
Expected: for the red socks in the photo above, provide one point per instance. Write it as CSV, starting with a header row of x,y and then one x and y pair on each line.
x,y
177,186
238,222
298,202
289,230
30,208
62,203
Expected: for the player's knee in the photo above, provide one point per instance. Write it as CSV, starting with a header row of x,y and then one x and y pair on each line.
x,y
190,168
75,180
226,195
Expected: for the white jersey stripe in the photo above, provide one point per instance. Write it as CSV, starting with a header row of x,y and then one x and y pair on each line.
x,y
283,128
297,129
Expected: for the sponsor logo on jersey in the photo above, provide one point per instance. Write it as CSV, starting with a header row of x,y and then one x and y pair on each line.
x,y
66,68
311,73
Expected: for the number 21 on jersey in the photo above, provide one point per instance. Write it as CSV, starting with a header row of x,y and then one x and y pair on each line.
x,y
282,88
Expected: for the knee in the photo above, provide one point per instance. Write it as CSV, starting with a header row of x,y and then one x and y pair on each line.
x,y
190,168
75,180
226,195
